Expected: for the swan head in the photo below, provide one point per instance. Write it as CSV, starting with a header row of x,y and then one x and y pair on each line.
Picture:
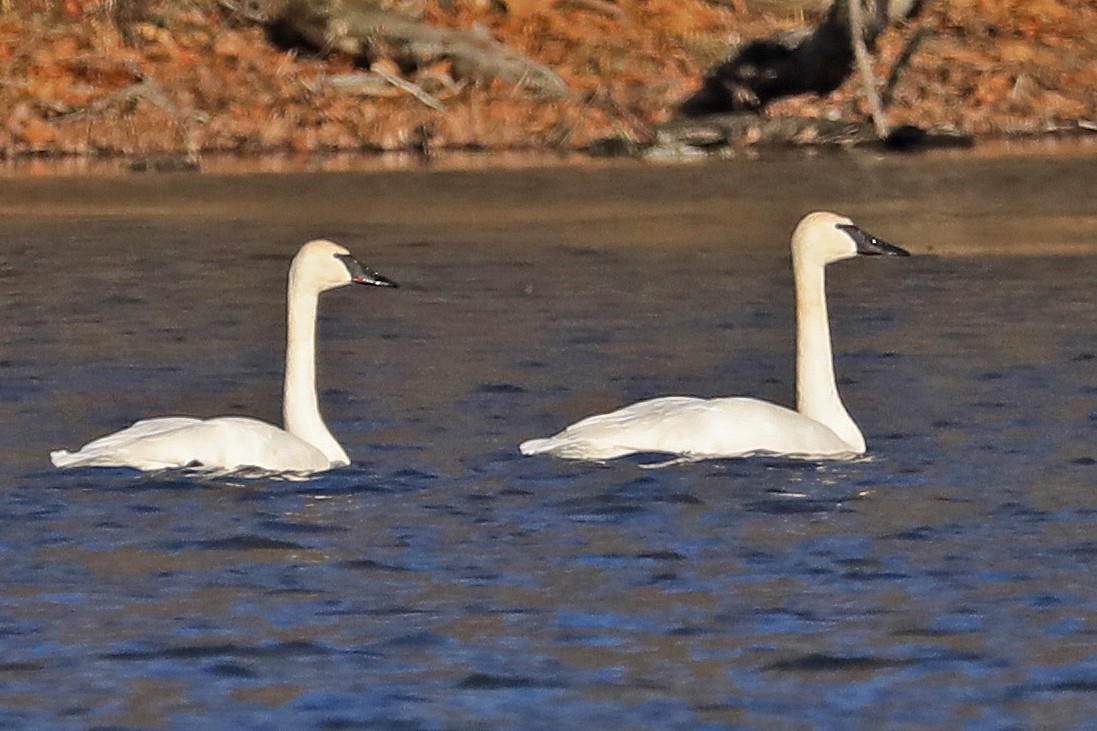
x,y
324,265
823,237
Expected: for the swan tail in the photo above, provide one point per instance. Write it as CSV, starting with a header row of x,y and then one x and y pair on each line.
x,y
537,446
63,458
567,446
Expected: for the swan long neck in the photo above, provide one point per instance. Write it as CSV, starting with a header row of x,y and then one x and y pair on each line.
x,y
300,406
816,390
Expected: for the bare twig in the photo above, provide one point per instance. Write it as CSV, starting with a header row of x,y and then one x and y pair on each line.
x,y
864,66
598,6
404,85
915,40
637,130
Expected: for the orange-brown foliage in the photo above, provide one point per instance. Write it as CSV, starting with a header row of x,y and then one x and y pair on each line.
x,y
153,76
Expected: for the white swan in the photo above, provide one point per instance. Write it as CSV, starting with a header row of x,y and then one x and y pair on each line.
x,y
695,428
230,443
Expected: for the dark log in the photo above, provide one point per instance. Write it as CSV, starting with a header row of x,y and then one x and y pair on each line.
x,y
753,130
809,60
756,131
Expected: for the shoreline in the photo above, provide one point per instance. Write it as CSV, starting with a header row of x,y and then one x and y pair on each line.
x,y
1052,144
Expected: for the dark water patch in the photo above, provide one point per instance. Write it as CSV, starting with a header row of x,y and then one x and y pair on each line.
x,y
499,388
587,336
690,631
1070,686
898,436
231,670
915,533
1044,601
486,681
666,555
416,640
1013,509
369,565
606,507
123,480
340,723
1086,551
823,663
950,423
930,633
366,479
816,662
19,390
531,364
794,505
281,650
242,542
861,574
516,492
411,475
284,526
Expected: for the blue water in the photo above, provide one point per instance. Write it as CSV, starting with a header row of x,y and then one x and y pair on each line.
x,y
445,582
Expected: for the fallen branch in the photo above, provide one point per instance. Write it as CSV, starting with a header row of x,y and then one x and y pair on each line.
x,y
901,63
406,86
361,30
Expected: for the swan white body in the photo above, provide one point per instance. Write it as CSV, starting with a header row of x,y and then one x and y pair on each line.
x,y
231,443
695,428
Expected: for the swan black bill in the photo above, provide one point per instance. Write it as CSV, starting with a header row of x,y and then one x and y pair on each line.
x,y
359,274
869,245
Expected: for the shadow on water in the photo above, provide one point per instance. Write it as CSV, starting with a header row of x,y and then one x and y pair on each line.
x,y
443,581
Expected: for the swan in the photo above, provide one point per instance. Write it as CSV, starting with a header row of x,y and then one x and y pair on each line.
x,y
233,443
696,428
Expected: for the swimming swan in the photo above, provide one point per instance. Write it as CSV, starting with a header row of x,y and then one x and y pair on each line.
x,y
695,428
229,443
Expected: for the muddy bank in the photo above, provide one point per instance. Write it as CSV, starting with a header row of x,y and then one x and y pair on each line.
x,y
143,79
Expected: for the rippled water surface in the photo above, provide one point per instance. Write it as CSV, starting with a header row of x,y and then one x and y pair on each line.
x,y
445,582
